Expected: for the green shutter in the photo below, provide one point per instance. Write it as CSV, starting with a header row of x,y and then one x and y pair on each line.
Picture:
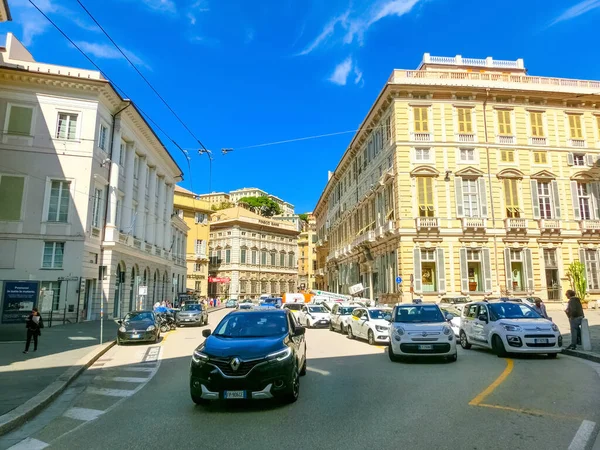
x,y
19,121
11,197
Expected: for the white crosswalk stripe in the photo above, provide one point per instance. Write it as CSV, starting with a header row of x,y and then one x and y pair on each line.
x,y
29,444
83,413
122,379
110,392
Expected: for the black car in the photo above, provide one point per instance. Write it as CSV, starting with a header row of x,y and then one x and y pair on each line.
x,y
138,326
253,354
192,314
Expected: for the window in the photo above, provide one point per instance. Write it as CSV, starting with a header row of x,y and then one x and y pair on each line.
x,y
465,125
428,271
420,118
11,197
263,258
201,218
254,255
470,198
200,248
197,267
58,208
425,196
97,208
218,256
243,286
227,256
243,256
291,259
517,272
507,156
53,255
579,159
550,259
540,158
537,124
388,128
102,137
19,120
504,125
67,126
122,154
53,286
467,154
422,154
282,259
575,126
544,198
273,259
136,168
253,286
511,198
474,270
585,201
591,269
119,213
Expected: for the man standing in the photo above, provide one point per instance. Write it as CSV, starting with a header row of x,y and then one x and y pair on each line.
x,y
540,308
575,314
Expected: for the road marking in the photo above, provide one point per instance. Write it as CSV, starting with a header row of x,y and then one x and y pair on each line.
x,y
322,372
164,339
138,369
110,392
85,414
121,379
529,412
583,435
497,382
82,338
29,444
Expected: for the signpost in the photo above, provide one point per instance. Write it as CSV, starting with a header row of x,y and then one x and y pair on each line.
x,y
19,298
398,279
142,292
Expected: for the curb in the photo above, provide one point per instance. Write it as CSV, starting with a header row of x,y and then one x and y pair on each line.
x,y
583,354
35,405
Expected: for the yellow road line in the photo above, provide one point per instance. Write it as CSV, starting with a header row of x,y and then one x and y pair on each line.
x,y
531,412
165,336
487,391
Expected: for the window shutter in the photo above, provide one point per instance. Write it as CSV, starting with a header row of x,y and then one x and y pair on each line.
x,y
464,271
589,159
441,271
535,200
458,191
487,269
483,209
582,256
507,269
570,159
575,199
528,269
418,285
596,196
556,198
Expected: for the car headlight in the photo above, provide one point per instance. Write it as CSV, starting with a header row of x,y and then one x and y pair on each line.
x,y
508,327
199,357
122,329
281,354
151,328
447,330
381,328
554,327
399,331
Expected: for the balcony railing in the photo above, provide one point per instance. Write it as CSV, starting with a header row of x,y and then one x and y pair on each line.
x,y
473,223
466,137
592,226
148,247
579,143
95,232
427,223
421,137
388,227
123,238
549,224
368,236
535,140
515,223
506,140
137,243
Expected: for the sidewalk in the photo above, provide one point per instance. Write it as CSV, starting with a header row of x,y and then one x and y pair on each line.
x,y
556,311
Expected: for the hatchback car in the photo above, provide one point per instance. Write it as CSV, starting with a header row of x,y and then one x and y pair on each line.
x,y
138,326
231,303
256,354
340,315
295,308
314,316
191,314
508,327
370,324
421,330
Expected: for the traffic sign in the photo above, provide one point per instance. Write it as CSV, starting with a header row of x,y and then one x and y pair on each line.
x,y
68,278
398,279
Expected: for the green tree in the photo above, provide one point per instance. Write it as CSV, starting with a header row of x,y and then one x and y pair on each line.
x,y
222,205
303,217
576,275
263,205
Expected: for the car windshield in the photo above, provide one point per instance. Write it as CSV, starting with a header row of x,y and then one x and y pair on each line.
x,y
138,316
378,313
451,309
455,300
252,325
245,305
192,307
316,309
419,314
507,310
293,306
346,310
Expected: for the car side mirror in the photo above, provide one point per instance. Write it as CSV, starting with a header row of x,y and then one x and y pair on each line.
x,y
206,333
299,331
120,322
449,317
483,318
388,317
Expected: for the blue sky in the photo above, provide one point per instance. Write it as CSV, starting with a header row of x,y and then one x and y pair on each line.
x,y
242,73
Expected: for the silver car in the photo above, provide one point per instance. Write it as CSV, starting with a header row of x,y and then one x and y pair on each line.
x,y
192,314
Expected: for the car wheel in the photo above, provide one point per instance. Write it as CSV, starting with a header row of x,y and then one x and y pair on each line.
x,y
331,327
392,355
164,328
291,394
199,400
452,358
206,321
350,334
303,370
552,355
371,338
307,323
498,346
464,343
342,329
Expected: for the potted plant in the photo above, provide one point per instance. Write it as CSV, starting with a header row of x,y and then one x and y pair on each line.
x,y
576,276
472,280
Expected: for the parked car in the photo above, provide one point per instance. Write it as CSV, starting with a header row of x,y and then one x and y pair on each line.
x,y
295,308
370,324
231,303
458,301
192,314
257,354
508,327
245,306
314,316
340,315
138,326
420,330
456,311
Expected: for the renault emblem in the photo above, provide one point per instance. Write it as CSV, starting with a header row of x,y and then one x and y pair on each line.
x,y
235,364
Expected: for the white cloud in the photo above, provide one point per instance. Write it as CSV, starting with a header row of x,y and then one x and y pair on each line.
x,y
105,51
162,6
358,75
577,10
327,31
343,70
192,18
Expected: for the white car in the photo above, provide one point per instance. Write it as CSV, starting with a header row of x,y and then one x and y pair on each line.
x,y
420,330
313,316
456,311
295,308
370,324
340,316
508,327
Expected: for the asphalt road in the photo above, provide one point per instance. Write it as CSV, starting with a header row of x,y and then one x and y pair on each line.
x,y
353,397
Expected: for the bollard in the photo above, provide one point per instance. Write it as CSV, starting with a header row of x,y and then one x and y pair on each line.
x,y
585,336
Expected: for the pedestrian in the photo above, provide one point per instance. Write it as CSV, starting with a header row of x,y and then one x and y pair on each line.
x,y
540,308
575,314
33,324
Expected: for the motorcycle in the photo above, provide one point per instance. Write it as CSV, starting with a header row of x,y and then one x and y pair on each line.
x,y
167,322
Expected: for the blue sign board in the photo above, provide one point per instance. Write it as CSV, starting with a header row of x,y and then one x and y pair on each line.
x,y
18,300
398,279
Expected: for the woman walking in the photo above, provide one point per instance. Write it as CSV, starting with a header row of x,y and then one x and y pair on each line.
x,y
33,324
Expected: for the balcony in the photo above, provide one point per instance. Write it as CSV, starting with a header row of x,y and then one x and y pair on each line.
x,y
421,137
465,137
550,225
148,247
510,140
427,223
95,232
534,140
123,238
515,224
473,223
320,272
589,226
200,255
137,243
578,143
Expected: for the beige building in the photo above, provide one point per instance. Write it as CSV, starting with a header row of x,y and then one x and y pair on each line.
x,y
215,199
251,255
466,176
236,195
4,11
307,255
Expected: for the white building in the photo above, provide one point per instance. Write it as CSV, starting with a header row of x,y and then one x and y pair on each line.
x,y
69,143
236,195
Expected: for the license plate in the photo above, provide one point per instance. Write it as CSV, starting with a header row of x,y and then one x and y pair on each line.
x,y
541,341
425,347
135,336
187,320
323,321
235,394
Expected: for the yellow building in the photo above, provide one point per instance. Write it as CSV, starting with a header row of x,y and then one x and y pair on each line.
x,y
196,214
472,178
307,254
